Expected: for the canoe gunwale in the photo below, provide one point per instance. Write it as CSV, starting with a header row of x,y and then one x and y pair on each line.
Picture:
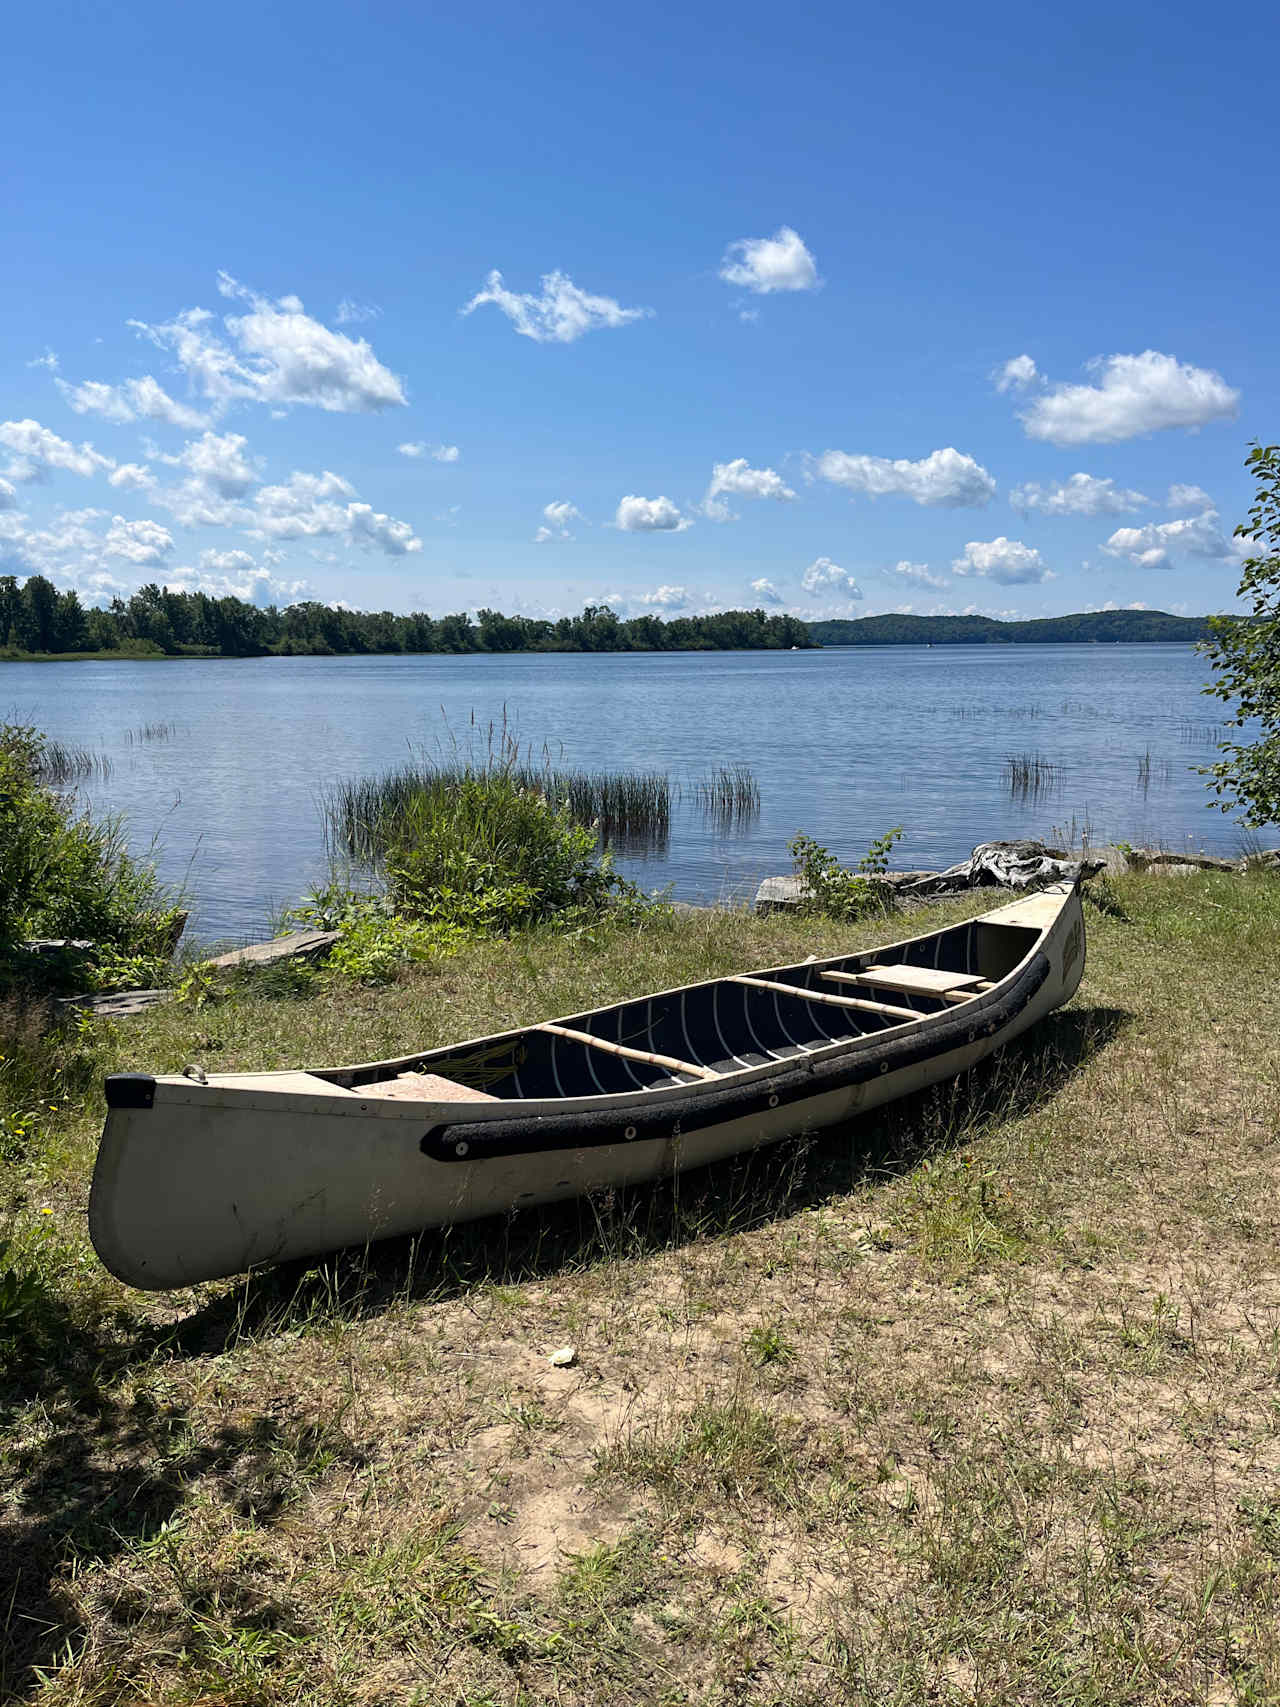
x,y
691,1108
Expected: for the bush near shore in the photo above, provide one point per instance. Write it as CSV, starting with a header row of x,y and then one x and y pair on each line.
x,y
65,875
974,1401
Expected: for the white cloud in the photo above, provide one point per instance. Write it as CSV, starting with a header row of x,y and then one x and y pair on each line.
x,y
369,527
218,462
557,516
1189,498
351,313
742,481
943,477
1153,546
419,447
560,314
824,576
649,515
665,598
48,361
1078,495
218,474
1134,395
69,539
309,506
281,356
1016,374
236,575
145,543
227,562
766,592
1008,561
142,398
769,264
36,450
920,573
132,477
8,495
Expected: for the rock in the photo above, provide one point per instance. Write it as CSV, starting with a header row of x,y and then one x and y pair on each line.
x,y
780,895
117,1006
49,945
299,945
1188,861
565,1358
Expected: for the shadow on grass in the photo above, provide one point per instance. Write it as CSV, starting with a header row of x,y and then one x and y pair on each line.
x,y
92,1469
99,1468
727,1197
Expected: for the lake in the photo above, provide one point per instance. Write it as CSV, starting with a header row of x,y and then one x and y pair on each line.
x,y
844,743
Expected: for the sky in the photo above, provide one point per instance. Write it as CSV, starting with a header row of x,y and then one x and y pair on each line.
x,y
837,312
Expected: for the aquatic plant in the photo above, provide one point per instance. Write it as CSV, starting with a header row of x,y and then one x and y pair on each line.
x,y
150,732
58,764
365,815
1030,776
729,795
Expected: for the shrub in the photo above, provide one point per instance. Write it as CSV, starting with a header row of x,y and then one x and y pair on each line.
x,y
488,855
833,889
68,875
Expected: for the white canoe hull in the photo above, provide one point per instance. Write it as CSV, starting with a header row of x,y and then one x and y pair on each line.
x,y
202,1180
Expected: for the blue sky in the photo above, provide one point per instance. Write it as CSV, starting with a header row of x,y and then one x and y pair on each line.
x,y
842,311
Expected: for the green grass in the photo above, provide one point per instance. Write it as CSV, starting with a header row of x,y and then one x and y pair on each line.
x,y
974,1402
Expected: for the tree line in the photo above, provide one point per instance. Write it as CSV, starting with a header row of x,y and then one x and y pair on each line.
x,y
1102,625
36,619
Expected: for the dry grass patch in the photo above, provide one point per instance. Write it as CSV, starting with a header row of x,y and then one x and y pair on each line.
x,y
972,1403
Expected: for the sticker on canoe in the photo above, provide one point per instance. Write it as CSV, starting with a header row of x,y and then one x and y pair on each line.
x,y
1071,952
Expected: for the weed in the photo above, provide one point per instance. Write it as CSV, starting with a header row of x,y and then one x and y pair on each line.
x,y
767,1343
830,888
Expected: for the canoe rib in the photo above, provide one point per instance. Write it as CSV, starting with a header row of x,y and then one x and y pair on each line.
x,y
697,1108
669,1062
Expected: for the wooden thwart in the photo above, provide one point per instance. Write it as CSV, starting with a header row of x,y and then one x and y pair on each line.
x,y
831,1001
669,1062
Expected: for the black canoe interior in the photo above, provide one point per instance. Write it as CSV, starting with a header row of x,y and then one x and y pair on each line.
x,y
723,1025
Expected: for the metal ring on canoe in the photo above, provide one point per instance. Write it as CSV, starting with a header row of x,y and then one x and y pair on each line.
x,y
674,1117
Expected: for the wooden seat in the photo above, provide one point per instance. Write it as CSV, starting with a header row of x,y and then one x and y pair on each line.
x,y
423,1087
917,981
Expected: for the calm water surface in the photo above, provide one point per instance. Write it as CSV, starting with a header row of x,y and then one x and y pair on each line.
x,y
843,743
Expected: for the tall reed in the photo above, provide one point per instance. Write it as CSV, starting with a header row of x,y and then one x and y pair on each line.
x,y
59,763
363,816
1030,777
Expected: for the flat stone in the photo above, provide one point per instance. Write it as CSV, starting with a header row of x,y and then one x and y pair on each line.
x,y
298,945
780,895
57,945
117,1006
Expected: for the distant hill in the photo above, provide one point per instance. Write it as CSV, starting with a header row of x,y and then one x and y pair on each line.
x,y
1087,626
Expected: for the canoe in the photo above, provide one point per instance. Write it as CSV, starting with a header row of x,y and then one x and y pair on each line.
x,y
200,1176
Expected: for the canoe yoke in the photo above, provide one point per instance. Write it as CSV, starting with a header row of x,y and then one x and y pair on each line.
x,y
703,1106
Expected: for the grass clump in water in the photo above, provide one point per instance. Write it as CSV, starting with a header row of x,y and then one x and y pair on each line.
x,y
464,855
1030,777
366,816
